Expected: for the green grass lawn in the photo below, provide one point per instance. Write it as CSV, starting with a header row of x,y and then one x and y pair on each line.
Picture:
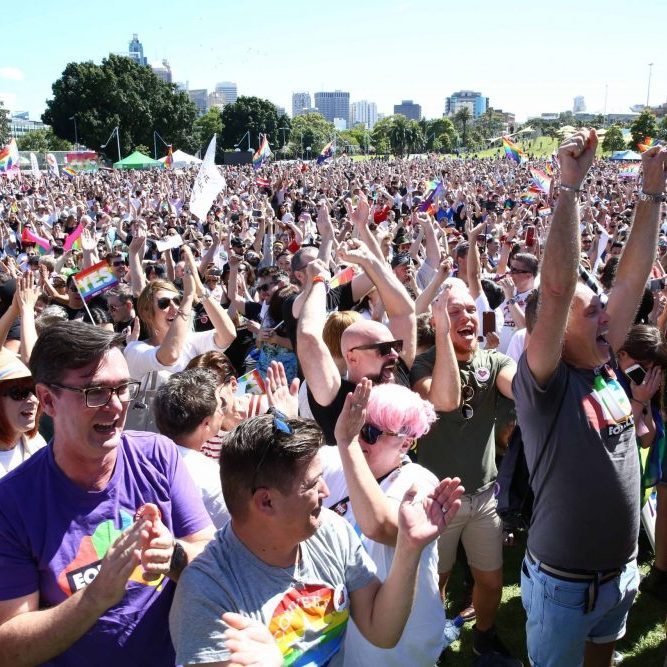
x,y
642,646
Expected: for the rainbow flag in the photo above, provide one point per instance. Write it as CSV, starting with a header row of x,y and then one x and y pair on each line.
x,y
513,152
428,204
543,212
250,383
342,277
646,144
9,158
541,180
629,171
95,280
529,197
43,245
263,182
73,240
68,170
262,153
327,152
169,160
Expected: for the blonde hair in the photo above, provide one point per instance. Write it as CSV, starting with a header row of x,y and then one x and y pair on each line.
x,y
145,308
333,330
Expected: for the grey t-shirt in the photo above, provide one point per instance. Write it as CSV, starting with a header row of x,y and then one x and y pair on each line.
x,y
459,446
586,510
307,619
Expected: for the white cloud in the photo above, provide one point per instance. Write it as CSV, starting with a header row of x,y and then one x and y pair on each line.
x,y
11,73
9,100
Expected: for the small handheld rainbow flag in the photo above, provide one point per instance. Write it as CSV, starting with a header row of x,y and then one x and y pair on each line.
x,y
541,180
69,171
530,196
327,152
629,171
43,245
95,280
428,204
342,277
646,144
250,383
262,153
513,152
169,160
73,240
9,158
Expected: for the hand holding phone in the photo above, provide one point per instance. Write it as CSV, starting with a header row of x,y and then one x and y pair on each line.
x,y
636,373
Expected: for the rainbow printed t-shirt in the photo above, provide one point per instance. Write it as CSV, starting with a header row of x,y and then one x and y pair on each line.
x,y
305,608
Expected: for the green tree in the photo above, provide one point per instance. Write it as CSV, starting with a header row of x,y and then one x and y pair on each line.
x,y
119,92
141,148
463,118
662,129
598,121
251,114
405,136
643,126
206,126
349,141
43,141
4,125
311,129
380,136
440,135
613,139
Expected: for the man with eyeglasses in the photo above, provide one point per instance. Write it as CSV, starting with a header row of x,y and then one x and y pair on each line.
x,y
95,532
464,383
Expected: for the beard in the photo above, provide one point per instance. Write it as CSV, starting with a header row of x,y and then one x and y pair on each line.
x,y
464,348
385,375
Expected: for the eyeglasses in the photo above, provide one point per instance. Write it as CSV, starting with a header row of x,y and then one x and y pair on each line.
x,y
165,301
99,397
279,425
371,434
467,392
383,348
18,393
514,271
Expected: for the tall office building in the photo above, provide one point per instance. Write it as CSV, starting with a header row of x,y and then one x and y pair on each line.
x,y
408,109
136,50
162,71
300,104
199,97
216,99
476,103
228,90
363,112
333,105
579,105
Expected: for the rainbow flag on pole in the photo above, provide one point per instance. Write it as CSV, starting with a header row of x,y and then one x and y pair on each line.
x,y
262,153
69,170
541,180
646,144
169,160
250,383
95,280
327,152
513,152
428,205
9,159
629,171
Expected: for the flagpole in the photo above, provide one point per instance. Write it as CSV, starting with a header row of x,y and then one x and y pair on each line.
x,y
85,305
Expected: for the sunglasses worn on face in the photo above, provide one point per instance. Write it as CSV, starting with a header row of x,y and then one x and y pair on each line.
x,y
265,288
383,348
164,302
371,434
118,264
20,393
513,271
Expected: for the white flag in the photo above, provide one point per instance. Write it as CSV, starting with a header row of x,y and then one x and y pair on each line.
x,y
35,167
52,164
208,184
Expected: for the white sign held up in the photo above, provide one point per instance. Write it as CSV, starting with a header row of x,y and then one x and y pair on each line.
x,y
208,184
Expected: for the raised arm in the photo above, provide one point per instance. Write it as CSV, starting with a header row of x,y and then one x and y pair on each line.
x,y
561,259
136,255
473,264
636,261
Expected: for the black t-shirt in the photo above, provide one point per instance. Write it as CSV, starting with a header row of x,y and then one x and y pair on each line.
x,y
327,415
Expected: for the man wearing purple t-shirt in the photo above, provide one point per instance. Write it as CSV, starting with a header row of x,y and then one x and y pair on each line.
x,y
96,530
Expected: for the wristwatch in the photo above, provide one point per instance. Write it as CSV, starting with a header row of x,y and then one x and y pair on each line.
x,y
512,301
658,199
179,559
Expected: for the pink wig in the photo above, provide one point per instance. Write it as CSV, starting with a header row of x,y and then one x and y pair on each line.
x,y
392,407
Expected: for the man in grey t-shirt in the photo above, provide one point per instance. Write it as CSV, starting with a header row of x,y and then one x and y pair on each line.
x,y
579,576
289,564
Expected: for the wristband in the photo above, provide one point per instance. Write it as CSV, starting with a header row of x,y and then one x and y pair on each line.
x,y
319,279
570,188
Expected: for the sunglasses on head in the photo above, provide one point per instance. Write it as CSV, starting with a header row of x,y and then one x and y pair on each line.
x,y
371,434
383,348
165,301
20,393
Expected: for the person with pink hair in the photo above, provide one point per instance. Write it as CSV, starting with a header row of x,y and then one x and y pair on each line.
x,y
367,474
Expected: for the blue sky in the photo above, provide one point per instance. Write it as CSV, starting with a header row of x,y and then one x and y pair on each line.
x,y
527,57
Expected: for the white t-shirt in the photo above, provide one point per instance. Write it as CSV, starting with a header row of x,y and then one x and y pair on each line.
x,y
517,345
14,457
206,476
422,639
509,327
142,357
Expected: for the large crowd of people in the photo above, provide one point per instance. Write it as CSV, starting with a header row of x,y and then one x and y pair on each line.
x,y
272,434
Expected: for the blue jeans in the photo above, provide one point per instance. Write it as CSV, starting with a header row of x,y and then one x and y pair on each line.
x,y
557,628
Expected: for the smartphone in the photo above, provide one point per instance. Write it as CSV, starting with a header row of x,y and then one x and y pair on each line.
x,y
656,284
636,373
488,322
256,213
530,235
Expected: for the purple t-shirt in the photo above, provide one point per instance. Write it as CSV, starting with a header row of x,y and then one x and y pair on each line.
x,y
53,536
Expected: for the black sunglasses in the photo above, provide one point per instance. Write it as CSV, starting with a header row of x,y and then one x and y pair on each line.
x,y
164,302
383,348
515,271
265,288
371,434
20,393
467,392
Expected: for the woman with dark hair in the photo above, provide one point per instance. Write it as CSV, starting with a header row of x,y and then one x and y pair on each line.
x,y
19,413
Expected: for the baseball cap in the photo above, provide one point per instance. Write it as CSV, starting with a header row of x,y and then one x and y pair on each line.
x,y
400,259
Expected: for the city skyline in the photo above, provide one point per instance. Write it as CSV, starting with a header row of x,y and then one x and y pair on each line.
x,y
528,65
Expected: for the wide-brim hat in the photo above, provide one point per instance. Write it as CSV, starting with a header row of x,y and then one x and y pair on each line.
x,y
11,367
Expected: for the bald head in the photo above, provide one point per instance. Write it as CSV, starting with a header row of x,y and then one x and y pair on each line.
x,y
363,332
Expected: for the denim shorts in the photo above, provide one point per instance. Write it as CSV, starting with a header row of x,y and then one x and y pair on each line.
x,y
557,628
